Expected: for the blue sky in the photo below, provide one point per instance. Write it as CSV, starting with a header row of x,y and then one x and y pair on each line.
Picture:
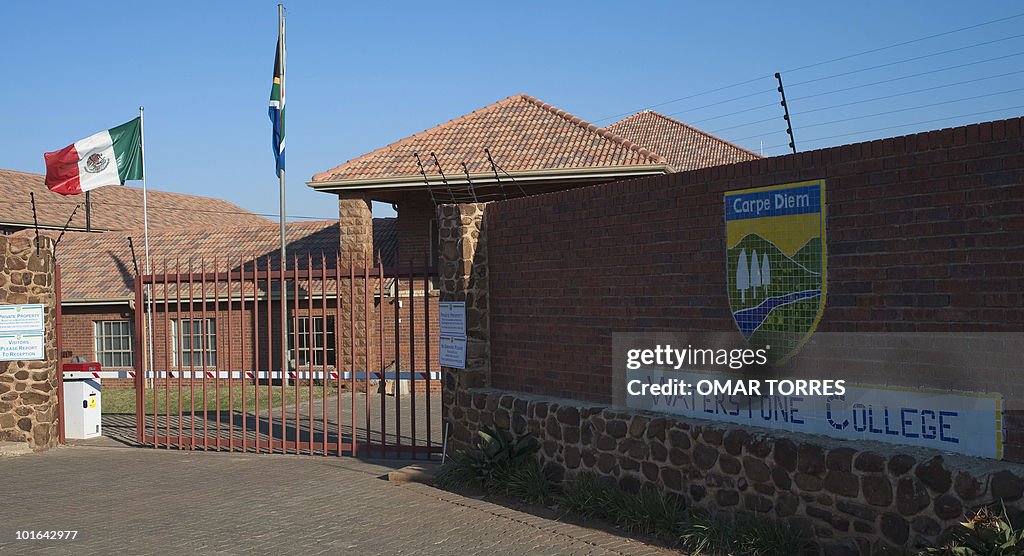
x,y
364,74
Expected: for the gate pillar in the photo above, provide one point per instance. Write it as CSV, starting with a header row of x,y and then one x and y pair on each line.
x,y
463,277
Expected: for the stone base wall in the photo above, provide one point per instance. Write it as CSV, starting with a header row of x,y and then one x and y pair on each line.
x,y
847,497
28,389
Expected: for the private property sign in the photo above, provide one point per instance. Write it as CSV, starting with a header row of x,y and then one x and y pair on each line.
x,y
16,318
21,332
452,345
961,422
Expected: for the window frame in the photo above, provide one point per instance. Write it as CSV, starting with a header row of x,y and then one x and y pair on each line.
x,y
207,351
296,352
125,335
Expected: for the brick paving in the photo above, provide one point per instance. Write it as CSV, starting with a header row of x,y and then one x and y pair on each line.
x,y
122,427
143,501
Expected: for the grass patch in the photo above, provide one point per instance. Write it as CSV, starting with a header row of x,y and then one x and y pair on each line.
x,y
122,400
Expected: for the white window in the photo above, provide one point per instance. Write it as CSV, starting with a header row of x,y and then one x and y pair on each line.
x,y
113,339
314,342
190,347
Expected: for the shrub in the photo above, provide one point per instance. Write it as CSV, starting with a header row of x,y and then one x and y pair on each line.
x,y
705,534
458,471
647,511
986,533
760,537
492,449
523,480
586,496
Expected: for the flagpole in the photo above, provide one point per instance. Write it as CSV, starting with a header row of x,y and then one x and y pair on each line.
x,y
145,223
284,258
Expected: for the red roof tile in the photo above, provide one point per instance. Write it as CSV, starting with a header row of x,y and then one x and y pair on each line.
x,y
99,266
522,133
684,146
113,207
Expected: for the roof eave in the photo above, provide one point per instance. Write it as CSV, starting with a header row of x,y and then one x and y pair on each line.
x,y
416,181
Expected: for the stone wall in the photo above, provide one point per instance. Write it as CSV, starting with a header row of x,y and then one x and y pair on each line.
x,y
464,277
849,498
28,389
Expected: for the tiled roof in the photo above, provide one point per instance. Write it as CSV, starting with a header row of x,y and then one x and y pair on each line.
x,y
684,146
113,207
522,133
97,267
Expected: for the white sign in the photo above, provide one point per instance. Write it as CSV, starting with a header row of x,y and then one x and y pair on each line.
x,y
452,318
960,422
26,346
21,318
452,352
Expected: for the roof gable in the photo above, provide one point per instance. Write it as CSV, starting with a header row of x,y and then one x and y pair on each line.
x,y
684,146
522,133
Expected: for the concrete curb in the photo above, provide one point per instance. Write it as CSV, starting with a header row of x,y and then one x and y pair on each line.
x,y
415,473
14,449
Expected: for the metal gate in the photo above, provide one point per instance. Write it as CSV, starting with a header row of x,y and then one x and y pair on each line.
x,y
352,373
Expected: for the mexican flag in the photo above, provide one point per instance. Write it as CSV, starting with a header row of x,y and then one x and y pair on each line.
x,y
110,157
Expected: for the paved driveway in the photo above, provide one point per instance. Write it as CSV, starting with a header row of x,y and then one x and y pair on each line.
x,y
372,414
145,501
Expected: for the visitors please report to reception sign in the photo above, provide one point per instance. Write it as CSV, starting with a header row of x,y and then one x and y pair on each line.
x,y
966,423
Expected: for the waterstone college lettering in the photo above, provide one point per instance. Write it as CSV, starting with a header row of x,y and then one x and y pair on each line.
x,y
949,421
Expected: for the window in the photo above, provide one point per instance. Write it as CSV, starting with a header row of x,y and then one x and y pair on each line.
x,y
314,341
190,349
114,346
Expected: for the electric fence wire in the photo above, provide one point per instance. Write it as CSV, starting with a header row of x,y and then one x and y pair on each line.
x,y
888,112
822,63
923,122
846,89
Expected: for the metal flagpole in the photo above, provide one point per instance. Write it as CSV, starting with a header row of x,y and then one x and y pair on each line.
x,y
145,223
284,258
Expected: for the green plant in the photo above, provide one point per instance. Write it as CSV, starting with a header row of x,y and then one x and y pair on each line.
x,y
458,471
523,480
709,535
495,448
586,496
647,511
492,450
987,533
705,535
760,537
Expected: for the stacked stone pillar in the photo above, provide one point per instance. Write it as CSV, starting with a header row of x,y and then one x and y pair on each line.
x,y
463,270
355,223
28,389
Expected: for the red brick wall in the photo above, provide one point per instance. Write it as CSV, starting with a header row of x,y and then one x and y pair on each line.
x,y
77,333
415,211
925,233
